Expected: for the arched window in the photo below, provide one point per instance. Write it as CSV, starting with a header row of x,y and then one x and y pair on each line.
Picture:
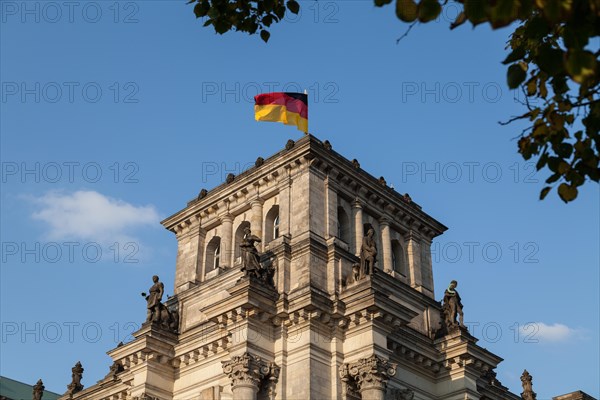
x,y
239,236
272,224
343,225
398,258
213,254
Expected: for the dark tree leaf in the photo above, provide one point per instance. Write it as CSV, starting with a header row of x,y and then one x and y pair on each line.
x,y
428,10
406,10
567,192
544,192
265,35
515,76
293,6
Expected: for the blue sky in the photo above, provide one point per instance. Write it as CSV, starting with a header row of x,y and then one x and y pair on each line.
x,y
115,114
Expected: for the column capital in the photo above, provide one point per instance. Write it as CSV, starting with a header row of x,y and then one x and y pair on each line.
x,y
356,203
369,373
250,370
384,221
226,218
257,201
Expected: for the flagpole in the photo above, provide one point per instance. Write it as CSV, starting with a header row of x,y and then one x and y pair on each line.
x,y
306,93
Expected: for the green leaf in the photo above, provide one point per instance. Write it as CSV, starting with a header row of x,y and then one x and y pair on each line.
x,y
504,12
567,192
200,10
544,192
553,178
581,65
429,10
550,60
293,6
515,76
265,35
516,55
460,19
476,11
406,10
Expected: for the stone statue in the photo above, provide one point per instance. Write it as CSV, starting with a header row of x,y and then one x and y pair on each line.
x,y
76,375
452,307
158,313
368,253
354,275
250,256
38,390
115,368
528,393
154,300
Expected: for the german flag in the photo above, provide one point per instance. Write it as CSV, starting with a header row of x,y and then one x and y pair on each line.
x,y
289,108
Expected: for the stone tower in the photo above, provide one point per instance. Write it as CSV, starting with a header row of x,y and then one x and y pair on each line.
x,y
319,327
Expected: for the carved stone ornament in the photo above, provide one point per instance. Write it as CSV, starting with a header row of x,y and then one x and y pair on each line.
x,y
38,390
259,161
355,163
202,194
251,370
526,382
327,145
290,144
76,375
382,181
115,368
144,396
230,178
368,373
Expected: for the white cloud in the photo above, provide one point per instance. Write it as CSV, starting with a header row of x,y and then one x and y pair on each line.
x,y
92,216
548,333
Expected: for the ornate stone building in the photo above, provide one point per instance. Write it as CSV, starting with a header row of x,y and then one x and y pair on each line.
x,y
324,310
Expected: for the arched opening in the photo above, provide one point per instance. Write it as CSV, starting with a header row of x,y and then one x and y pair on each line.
x,y
398,258
239,236
343,225
213,254
272,224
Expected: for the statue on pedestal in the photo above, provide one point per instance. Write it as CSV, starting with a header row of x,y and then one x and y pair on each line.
x,y
251,265
154,300
452,307
250,256
38,390
368,253
158,313
526,382
76,375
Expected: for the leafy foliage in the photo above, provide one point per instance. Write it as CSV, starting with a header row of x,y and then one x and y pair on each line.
x,y
243,15
551,60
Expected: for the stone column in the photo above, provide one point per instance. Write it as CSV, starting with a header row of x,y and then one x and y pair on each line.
x,y
256,217
358,226
227,241
200,259
413,247
369,376
331,204
386,244
248,373
285,192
